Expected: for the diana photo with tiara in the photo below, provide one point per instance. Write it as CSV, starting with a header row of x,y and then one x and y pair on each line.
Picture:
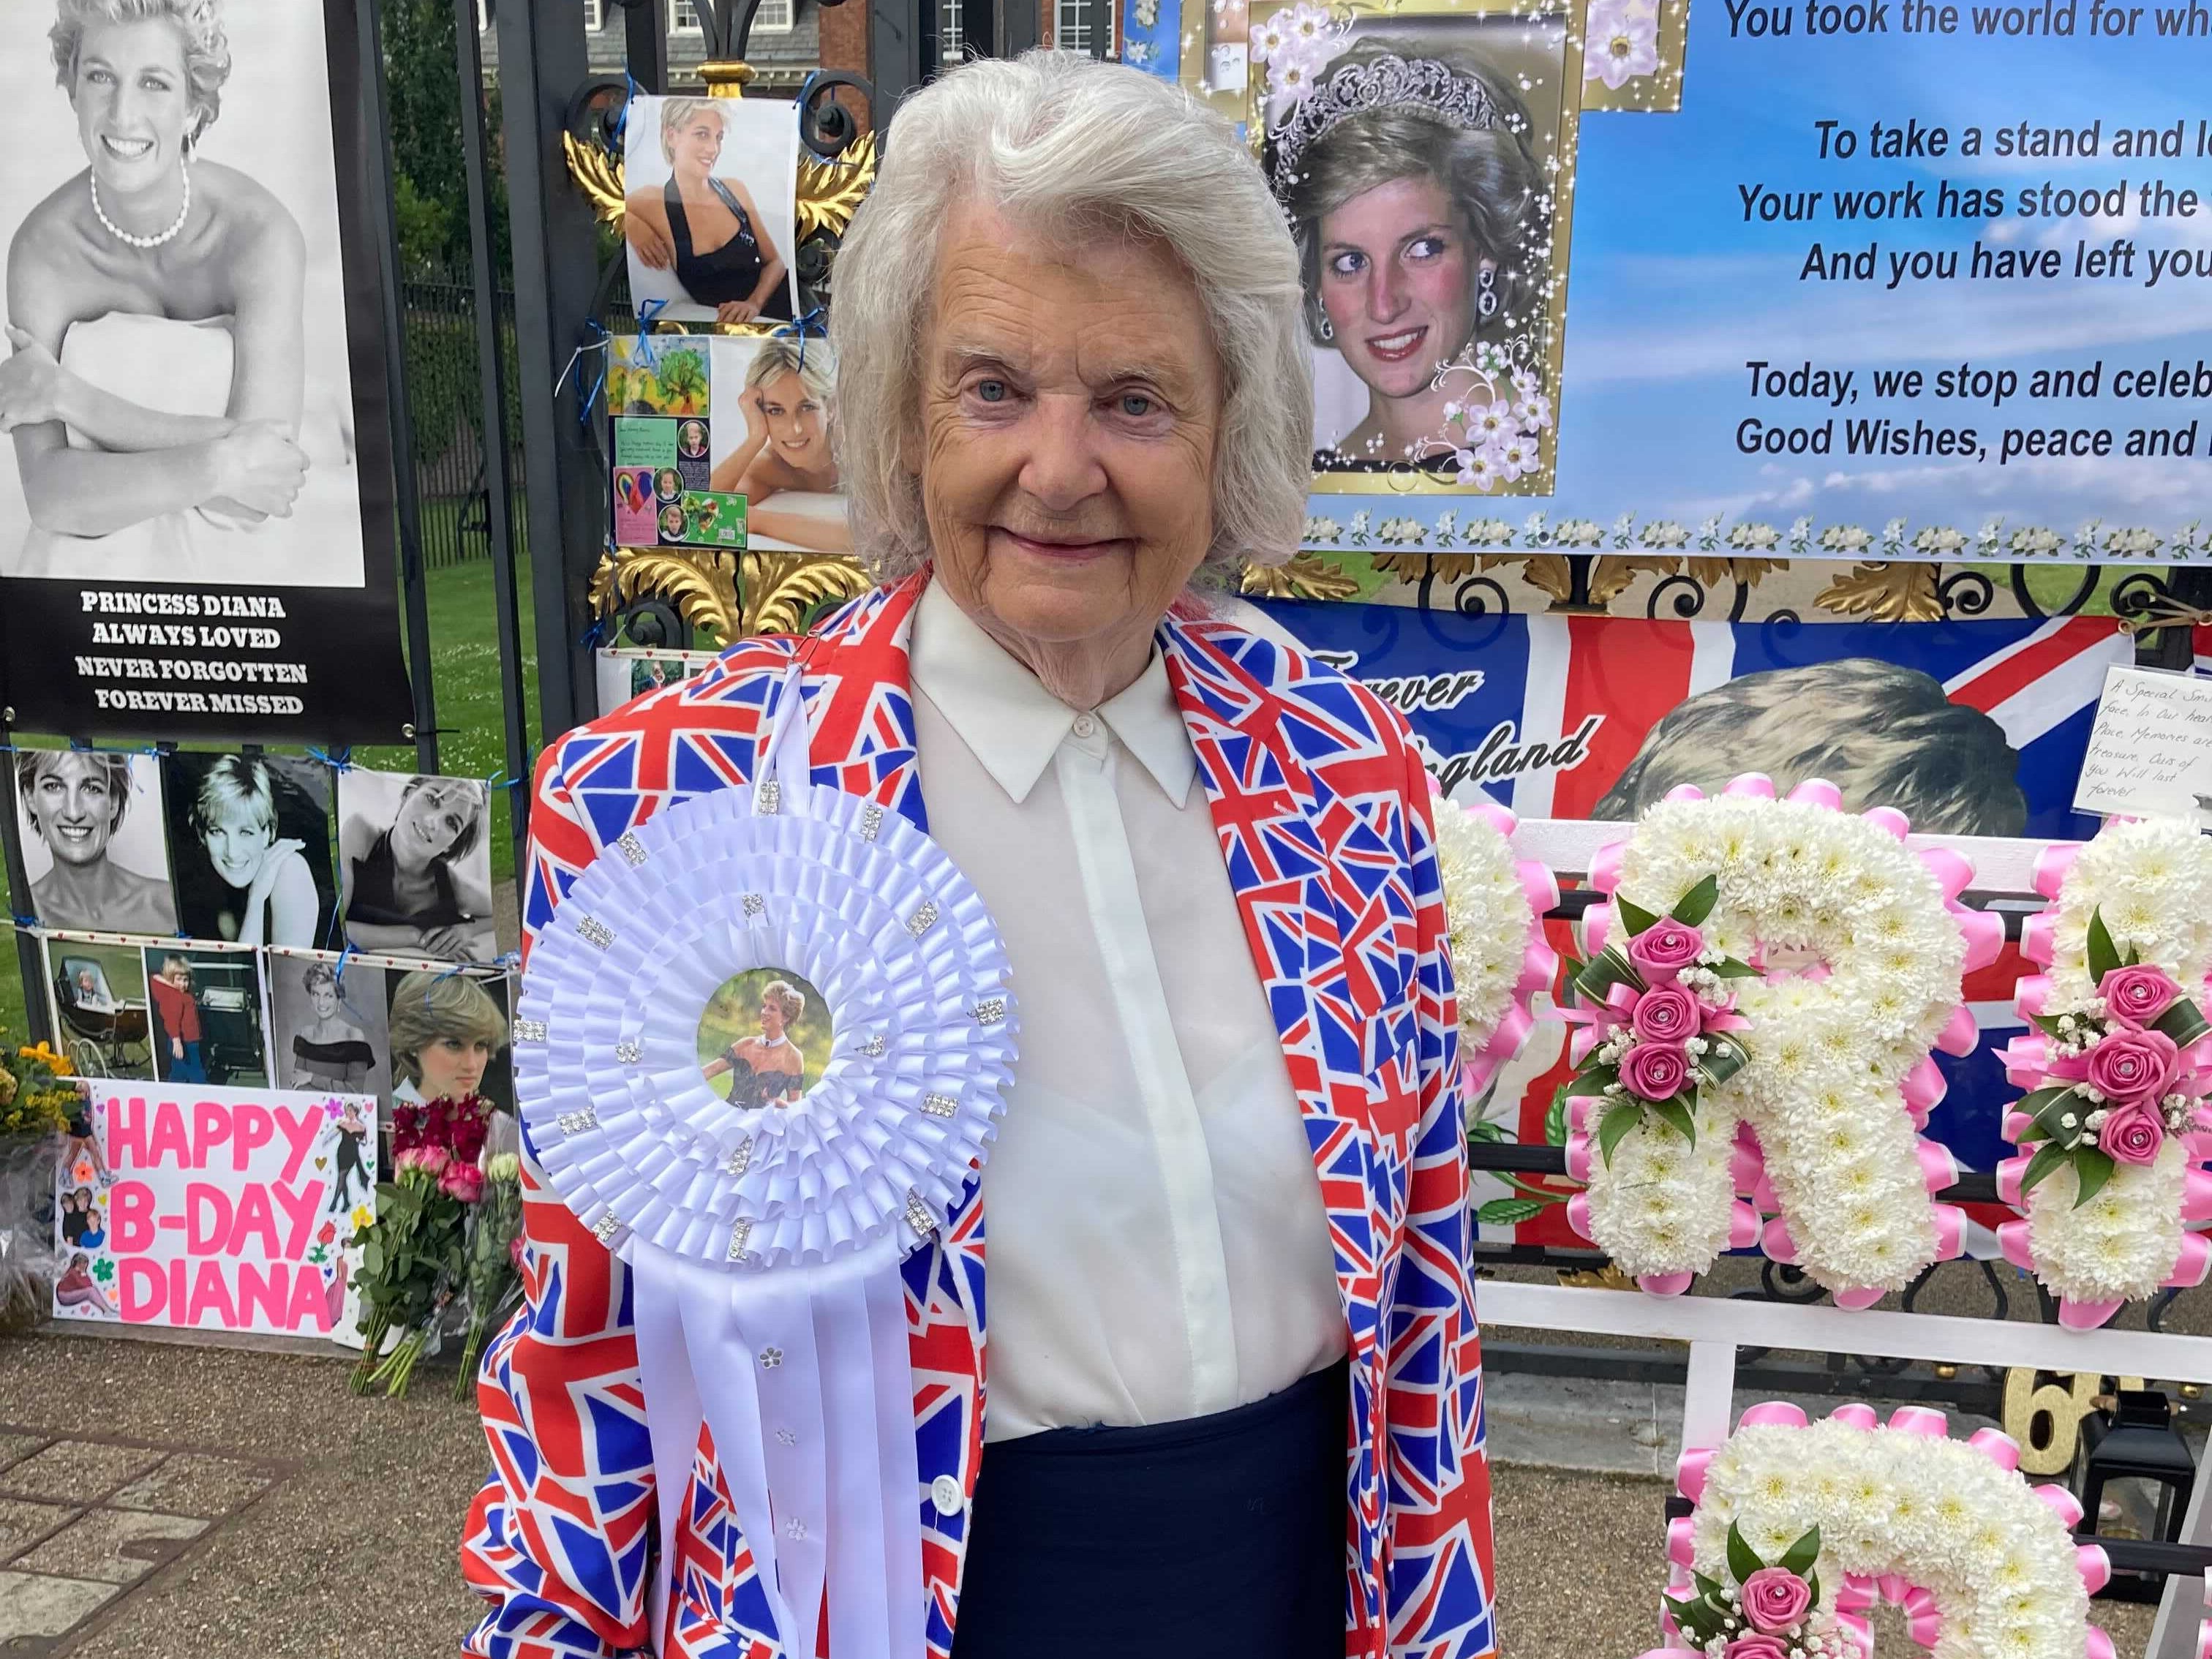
x,y
1425,159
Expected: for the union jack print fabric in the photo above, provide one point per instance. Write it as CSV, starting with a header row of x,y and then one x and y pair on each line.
x,y
1322,815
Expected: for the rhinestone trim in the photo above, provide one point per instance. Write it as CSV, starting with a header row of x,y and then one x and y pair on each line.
x,y
941,1105
770,1358
754,904
530,1030
631,848
596,931
990,1011
606,1227
918,1216
874,1046
785,1438
924,919
742,1230
630,1051
769,800
740,1160
574,1123
872,820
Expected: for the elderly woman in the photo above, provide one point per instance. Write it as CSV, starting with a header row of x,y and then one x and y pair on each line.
x,y
1417,203
74,801
1235,1400
705,229
154,307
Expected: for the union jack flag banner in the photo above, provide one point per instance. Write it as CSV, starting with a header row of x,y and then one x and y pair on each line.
x,y
1970,727
1322,817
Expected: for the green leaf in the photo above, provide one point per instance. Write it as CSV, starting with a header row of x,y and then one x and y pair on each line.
x,y
1504,1211
1604,971
1593,1080
2046,1160
1812,1583
1706,1586
1634,916
1555,1120
1742,1560
2032,1104
1615,1123
2103,955
2183,1022
2048,1024
2133,959
1488,1131
1800,1556
1676,1114
1694,906
1723,1059
1729,968
2093,1169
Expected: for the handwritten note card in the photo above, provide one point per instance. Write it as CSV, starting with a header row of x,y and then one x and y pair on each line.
x,y
2151,750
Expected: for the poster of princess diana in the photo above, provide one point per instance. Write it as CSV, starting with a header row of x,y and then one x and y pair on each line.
x,y
195,497
1426,157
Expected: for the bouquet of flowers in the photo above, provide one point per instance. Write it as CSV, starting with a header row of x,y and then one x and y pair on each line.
x,y
413,1254
495,1266
1767,1612
37,1092
1659,1021
38,1095
2123,1081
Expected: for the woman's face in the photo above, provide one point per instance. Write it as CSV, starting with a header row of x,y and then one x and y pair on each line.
x,y
771,1017
133,101
795,424
1071,402
431,819
237,841
698,144
1397,282
671,522
75,808
322,998
452,1066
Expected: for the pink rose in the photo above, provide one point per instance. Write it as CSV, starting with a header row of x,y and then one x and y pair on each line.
x,y
1656,1071
462,1181
431,1160
1669,1014
2133,1065
2138,995
2132,1133
1775,1598
1664,949
1757,1647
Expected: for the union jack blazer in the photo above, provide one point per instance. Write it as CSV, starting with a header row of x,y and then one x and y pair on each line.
x,y
1324,823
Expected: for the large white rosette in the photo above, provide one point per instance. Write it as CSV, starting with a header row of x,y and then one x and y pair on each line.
x,y
764,1244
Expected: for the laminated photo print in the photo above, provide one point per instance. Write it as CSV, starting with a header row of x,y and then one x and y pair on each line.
x,y
207,1008
328,1023
415,865
1426,157
775,413
629,671
710,218
95,843
250,841
449,1038
102,1020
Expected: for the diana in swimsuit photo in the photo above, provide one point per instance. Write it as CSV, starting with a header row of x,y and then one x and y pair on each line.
x,y
709,217
177,386
92,841
768,1032
250,838
416,865
780,455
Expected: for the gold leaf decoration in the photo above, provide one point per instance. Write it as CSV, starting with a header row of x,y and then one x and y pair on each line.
x,y
830,192
1613,574
1712,572
1448,568
598,174
781,589
1549,573
701,584
1305,577
1607,1277
1885,593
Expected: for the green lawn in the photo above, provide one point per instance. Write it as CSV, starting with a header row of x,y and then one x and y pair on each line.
x,y
464,655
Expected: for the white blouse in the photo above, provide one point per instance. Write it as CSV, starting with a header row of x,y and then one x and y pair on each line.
x,y
1156,1242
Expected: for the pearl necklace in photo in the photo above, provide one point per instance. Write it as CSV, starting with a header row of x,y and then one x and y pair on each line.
x,y
123,235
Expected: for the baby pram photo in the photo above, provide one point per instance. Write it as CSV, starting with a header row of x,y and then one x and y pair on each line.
x,y
101,1008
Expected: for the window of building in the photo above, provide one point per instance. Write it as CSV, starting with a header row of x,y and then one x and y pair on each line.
x,y
773,17
684,17
1071,25
595,15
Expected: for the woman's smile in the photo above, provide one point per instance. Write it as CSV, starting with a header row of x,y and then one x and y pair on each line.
x,y
1397,347
125,149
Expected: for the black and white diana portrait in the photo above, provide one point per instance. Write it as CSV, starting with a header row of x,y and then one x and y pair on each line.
x,y
1422,158
711,214
415,865
177,387
250,840
328,1024
94,841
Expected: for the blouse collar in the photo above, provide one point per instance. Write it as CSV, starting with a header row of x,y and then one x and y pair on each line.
x,y
1012,725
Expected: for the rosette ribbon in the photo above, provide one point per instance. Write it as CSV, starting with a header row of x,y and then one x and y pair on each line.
x,y
764,1244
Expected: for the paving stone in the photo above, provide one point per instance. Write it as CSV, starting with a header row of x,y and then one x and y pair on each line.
x,y
115,1547
22,1521
14,1447
76,1471
191,1483
31,1605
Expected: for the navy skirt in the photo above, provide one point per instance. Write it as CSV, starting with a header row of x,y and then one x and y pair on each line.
x,y
1226,1531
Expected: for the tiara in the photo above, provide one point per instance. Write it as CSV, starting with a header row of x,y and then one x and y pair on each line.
x,y
1355,88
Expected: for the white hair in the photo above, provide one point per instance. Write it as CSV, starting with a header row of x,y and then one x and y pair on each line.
x,y
1064,144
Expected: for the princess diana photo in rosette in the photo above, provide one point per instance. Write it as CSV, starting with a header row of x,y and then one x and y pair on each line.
x,y
1425,161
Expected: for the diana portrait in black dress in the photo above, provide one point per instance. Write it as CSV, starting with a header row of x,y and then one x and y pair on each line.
x,y
705,228
767,1070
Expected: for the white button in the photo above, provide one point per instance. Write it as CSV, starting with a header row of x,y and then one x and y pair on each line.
x,y
944,1492
1084,727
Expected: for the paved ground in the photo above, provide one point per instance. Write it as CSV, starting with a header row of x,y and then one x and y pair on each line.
x,y
161,1501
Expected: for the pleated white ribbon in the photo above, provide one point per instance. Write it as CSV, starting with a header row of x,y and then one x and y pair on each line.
x,y
764,1246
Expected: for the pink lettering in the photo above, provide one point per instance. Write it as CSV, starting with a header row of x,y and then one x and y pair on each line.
x,y
131,1216
255,1216
142,1293
207,1217
126,1133
212,1295
211,1127
298,1209
300,1135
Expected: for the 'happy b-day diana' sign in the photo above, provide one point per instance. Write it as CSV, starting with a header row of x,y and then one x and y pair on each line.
x,y
223,1209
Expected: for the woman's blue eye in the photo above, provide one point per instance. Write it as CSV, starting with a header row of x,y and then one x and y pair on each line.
x,y
1348,265
991,392
1136,404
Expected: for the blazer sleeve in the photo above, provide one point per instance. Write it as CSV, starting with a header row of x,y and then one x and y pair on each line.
x,y
1440,1550
560,1540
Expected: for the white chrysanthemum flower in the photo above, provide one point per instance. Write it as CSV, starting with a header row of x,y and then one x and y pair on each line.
x,y
1490,920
